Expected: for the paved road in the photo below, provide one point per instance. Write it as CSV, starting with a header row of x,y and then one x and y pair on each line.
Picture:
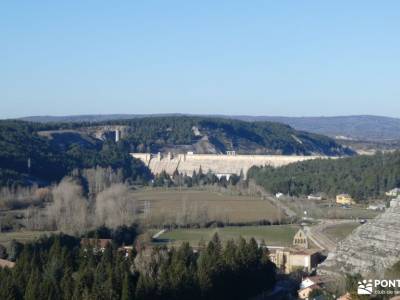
x,y
287,211
316,232
157,235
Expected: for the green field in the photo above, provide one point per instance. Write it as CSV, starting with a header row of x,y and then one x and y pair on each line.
x,y
21,236
276,235
196,206
340,231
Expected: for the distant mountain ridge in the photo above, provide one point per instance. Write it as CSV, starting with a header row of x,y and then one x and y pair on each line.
x,y
89,118
359,127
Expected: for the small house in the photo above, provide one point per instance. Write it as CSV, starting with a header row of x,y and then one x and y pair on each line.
x,y
314,197
376,207
310,284
344,199
311,280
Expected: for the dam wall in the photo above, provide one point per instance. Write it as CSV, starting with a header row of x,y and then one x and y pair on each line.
x,y
216,163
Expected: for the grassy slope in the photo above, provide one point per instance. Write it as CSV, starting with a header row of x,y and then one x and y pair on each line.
x,y
340,231
21,236
277,235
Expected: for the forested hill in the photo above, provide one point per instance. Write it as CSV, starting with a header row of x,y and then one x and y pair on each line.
x,y
215,135
57,148
359,127
27,157
362,177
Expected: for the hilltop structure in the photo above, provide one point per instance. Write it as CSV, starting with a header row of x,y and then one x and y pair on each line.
x,y
218,164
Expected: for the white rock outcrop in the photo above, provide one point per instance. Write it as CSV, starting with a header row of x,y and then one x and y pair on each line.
x,y
369,249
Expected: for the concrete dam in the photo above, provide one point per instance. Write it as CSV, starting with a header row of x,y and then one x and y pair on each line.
x,y
216,163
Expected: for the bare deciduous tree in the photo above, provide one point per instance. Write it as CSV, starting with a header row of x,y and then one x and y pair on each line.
x,y
99,178
115,206
34,219
20,197
69,210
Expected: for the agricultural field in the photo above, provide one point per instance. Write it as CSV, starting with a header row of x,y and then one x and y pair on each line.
x,y
326,209
196,206
274,235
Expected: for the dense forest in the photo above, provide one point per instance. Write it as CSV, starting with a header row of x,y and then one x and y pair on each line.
x,y
27,157
58,267
223,134
362,177
153,133
361,127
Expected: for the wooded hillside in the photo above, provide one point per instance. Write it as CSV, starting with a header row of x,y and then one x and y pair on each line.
x,y
27,157
361,176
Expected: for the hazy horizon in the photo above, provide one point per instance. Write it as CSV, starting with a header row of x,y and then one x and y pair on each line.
x,y
194,114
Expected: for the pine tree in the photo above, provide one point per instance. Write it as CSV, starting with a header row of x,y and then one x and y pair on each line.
x,y
127,290
33,288
145,289
8,290
67,284
229,255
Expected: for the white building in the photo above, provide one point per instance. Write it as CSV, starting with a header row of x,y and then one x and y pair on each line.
x,y
314,197
309,281
393,193
377,207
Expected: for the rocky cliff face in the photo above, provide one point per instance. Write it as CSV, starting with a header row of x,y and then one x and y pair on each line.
x,y
370,249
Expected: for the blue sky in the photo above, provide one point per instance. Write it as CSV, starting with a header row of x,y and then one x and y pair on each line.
x,y
294,58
